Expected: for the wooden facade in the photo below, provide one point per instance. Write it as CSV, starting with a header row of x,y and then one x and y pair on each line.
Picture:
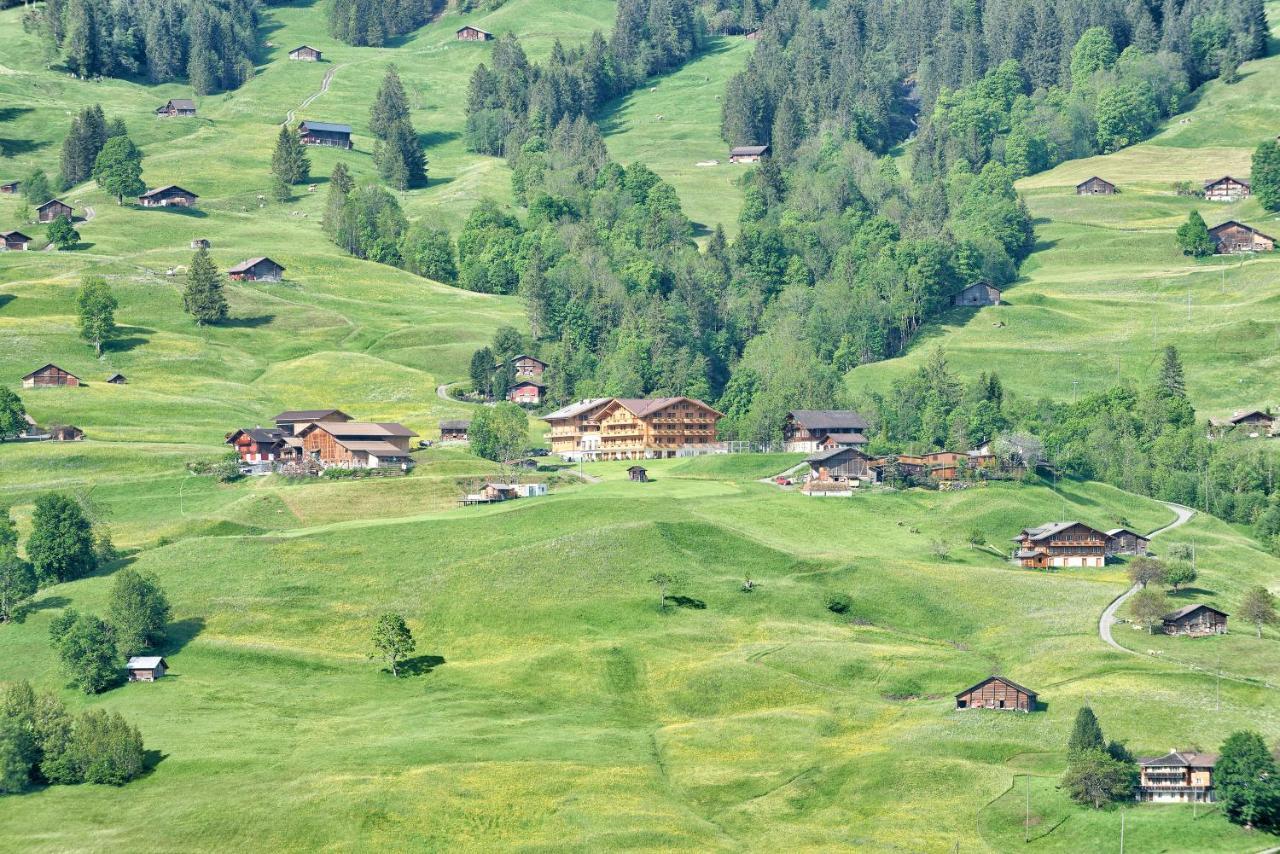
x,y
469,33
65,433
978,294
117,379
292,420
1227,189
9,188
1196,621
171,196
305,53
1233,237
840,465
526,392
805,431
146,668
996,692
326,134
1061,544
633,429
638,474
50,376
259,445
355,444
1095,186
455,430
14,241
53,209
256,270
1122,541
183,107
748,153
1177,777
526,367
201,243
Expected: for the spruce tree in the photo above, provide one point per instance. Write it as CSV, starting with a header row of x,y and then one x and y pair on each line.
x,y
1246,782
1172,383
1266,175
399,158
289,161
203,298
1086,735
340,186
391,105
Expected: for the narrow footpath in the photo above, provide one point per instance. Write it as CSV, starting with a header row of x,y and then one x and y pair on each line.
x,y
1108,618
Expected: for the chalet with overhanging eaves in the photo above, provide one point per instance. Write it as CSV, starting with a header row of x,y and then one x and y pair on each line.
x,y
256,270
526,392
1196,621
305,53
1233,238
575,429
49,376
638,474
53,209
171,196
633,428
469,33
1254,422
1095,186
748,153
260,445
325,133
806,430
840,465
1178,777
997,692
184,107
1122,541
356,444
455,430
525,367
1227,189
14,241
1061,544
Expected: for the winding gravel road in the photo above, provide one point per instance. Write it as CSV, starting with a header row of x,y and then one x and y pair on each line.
x,y
1108,618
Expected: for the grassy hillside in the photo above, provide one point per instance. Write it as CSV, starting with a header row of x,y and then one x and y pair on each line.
x,y
1107,289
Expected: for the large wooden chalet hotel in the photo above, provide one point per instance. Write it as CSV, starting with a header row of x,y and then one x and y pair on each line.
x,y
614,428
1061,544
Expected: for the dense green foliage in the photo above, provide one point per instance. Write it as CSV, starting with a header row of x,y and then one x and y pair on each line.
x,y
138,611
398,151
89,132
12,414
96,312
61,542
203,297
1258,608
498,432
1097,772
289,162
118,168
86,646
209,42
1246,780
17,576
392,641
61,233
1265,179
372,22
1193,237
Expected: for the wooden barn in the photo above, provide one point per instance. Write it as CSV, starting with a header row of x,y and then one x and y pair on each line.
x,y
638,474
256,270
1255,422
525,367
146,668
170,196
806,430
977,294
1227,189
454,430
356,444
14,241
1095,186
748,153
1196,620
840,465
260,444
184,107
469,33
201,243
1122,541
65,433
325,133
53,209
996,692
1061,544
1234,237
291,421
9,188
117,379
842,440
49,376
305,53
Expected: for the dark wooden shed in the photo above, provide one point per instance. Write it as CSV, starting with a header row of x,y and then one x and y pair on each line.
x,y
639,474
978,294
305,53
325,133
1095,186
469,33
996,692
146,668
53,209
256,270
50,375
170,196
1196,620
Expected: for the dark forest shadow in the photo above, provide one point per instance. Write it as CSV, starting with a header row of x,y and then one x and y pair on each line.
x,y
436,137
180,633
5,299
247,322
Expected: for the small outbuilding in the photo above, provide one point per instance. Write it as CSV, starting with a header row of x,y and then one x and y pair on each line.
x,y
748,153
752,35
977,294
469,33
256,270
1095,186
997,692
65,433
305,53
201,243
117,379
639,474
146,668
325,133
9,188
48,376
170,196
177,107
454,430
1196,620
53,209
1122,541
1233,237
14,241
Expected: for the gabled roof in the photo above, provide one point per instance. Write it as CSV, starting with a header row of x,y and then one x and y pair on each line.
x,y
1182,758
1095,178
455,424
642,406
168,188
1014,685
519,383
1054,528
575,409
472,27
637,468
848,438
181,103
823,456
981,283
1241,414
115,377
1115,532
246,266
375,447
359,429
305,47
45,367
11,235
829,419
328,127
9,183
258,434
146,662
748,150
1187,610
53,202
1240,181
297,415
1248,228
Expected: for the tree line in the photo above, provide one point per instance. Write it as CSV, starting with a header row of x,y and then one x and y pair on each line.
x,y
210,43
370,23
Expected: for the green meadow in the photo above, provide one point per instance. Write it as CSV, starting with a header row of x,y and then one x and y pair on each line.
x,y
552,704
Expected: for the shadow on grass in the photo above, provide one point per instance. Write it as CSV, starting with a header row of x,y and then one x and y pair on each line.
x,y
419,665
151,760
1192,593
11,147
180,633
21,613
177,210
5,299
124,345
436,137
247,322
687,602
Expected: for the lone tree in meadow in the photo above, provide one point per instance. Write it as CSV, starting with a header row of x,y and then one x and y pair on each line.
x,y
664,581
289,162
1179,573
61,233
138,611
203,298
61,543
13,414
1193,237
1148,607
1086,733
1146,570
96,308
392,641
1266,175
87,648
118,169
17,576
1258,607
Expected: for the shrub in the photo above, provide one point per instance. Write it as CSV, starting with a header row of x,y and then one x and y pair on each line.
x,y
902,688
839,603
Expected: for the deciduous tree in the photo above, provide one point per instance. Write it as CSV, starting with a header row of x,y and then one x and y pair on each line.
x,y
61,543
392,640
118,169
1258,607
61,233
498,432
96,307
1148,607
13,414
138,611
1146,570
1179,573
1193,237
87,649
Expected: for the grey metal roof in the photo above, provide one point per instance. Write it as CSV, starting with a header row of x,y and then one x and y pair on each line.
x,y
455,424
145,662
1191,609
1183,758
844,420
576,408
328,127
308,415
245,266
749,149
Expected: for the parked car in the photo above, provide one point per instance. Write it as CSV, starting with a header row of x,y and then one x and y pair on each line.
x,y
782,481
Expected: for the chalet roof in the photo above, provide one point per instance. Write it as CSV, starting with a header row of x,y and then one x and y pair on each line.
x,y
258,434
181,103
528,382
9,183
1049,530
636,468
1213,231
361,429
296,415
327,127
146,662
981,283
1014,685
53,202
1115,532
748,150
824,456
455,424
115,377
1241,414
501,487
829,419
1239,181
1182,758
168,188
1095,178
246,266
11,235
372,446
44,368
520,356
304,47
471,27
575,409
1187,610
849,438
640,406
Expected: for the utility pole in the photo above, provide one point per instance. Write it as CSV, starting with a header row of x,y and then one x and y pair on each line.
x,y
1217,685
1188,303
1026,825
1121,831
